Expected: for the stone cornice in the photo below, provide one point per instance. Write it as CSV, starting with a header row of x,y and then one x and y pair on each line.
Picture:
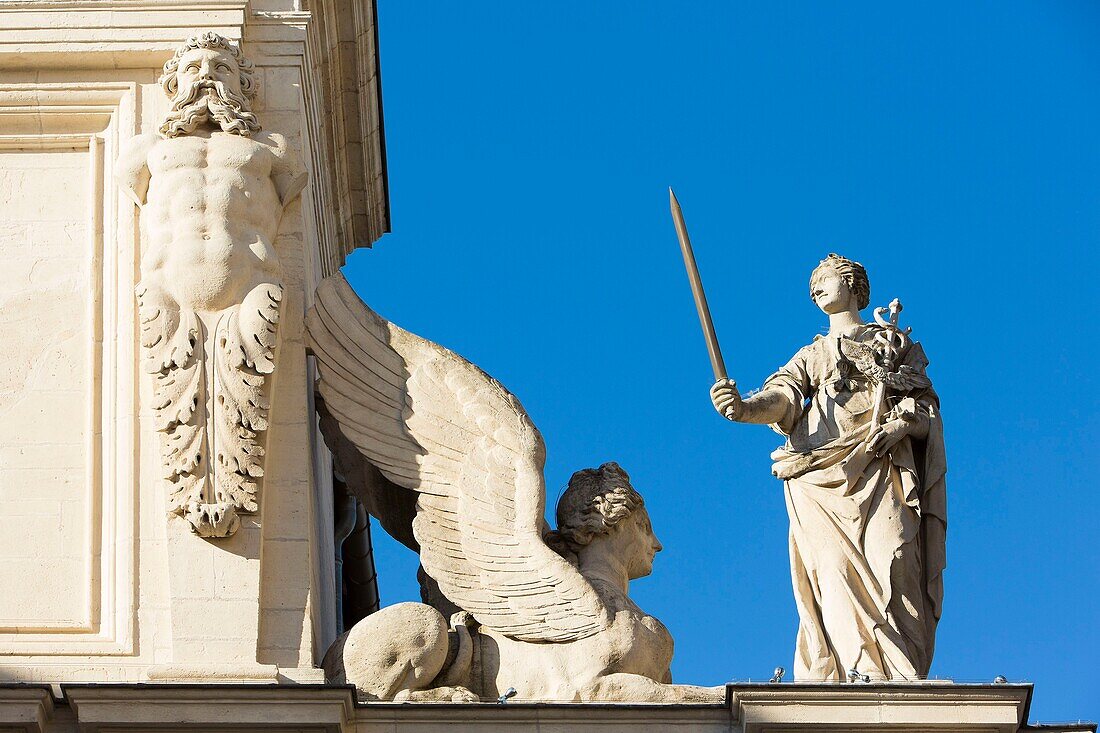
x,y
245,707
25,708
342,51
42,34
901,706
750,708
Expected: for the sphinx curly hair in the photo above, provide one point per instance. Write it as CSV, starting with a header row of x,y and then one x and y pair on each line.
x,y
595,501
210,40
853,273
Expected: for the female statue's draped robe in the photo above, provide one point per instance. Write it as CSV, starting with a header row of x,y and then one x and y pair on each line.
x,y
867,533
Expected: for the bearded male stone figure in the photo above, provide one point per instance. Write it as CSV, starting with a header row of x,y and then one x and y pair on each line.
x,y
212,189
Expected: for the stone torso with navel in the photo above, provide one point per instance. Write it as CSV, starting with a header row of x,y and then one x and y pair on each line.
x,y
212,214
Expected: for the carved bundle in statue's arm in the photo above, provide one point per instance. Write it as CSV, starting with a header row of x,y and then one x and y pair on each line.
x,y
867,360
905,386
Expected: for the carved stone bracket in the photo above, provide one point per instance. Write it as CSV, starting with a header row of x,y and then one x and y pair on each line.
x,y
212,187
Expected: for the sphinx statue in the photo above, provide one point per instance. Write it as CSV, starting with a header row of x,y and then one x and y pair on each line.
x,y
450,464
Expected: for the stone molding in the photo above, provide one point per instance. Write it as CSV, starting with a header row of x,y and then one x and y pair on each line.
x,y
342,52
38,34
25,708
749,708
92,118
236,707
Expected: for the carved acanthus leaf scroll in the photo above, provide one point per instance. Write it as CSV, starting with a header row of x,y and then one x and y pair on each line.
x,y
246,356
173,344
212,404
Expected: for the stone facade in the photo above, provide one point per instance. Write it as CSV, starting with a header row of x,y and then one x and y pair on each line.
x,y
130,595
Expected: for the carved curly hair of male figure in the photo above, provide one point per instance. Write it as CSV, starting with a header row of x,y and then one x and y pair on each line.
x,y
191,107
209,40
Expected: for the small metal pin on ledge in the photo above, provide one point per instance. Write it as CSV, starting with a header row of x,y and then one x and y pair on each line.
x,y
854,675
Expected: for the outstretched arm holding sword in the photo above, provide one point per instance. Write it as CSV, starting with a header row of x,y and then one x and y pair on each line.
x,y
763,408
863,470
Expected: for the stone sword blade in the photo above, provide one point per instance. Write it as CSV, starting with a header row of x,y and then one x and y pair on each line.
x,y
716,362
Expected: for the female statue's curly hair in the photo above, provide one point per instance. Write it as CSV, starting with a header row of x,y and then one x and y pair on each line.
x,y
853,273
595,501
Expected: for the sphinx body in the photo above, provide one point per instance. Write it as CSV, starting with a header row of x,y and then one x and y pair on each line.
x,y
449,463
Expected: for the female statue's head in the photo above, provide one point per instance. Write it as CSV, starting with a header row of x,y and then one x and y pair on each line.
x,y
837,283
600,504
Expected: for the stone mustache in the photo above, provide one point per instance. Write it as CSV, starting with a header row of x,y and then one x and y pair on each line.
x,y
212,189
449,463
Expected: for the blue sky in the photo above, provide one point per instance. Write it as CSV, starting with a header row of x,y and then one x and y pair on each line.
x,y
953,148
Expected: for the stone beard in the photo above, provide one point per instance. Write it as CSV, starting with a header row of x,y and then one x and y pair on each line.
x,y
209,101
212,189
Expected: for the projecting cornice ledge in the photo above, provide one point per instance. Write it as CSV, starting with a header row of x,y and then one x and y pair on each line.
x,y
749,708
343,57
45,34
26,708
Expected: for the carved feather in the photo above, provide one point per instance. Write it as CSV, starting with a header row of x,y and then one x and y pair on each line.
x,y
434,423
865,358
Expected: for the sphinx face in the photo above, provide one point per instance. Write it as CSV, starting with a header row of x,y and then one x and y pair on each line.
x,y
643,544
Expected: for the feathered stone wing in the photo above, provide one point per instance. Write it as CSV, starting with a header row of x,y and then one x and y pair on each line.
x,y
434,423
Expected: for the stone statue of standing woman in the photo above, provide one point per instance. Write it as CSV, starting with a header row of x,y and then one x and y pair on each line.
x,y
863,468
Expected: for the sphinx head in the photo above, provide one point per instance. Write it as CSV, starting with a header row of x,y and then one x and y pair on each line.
x,y
210,82
600,512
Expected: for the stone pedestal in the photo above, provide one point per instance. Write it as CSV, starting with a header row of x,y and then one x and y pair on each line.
x,y
903,708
